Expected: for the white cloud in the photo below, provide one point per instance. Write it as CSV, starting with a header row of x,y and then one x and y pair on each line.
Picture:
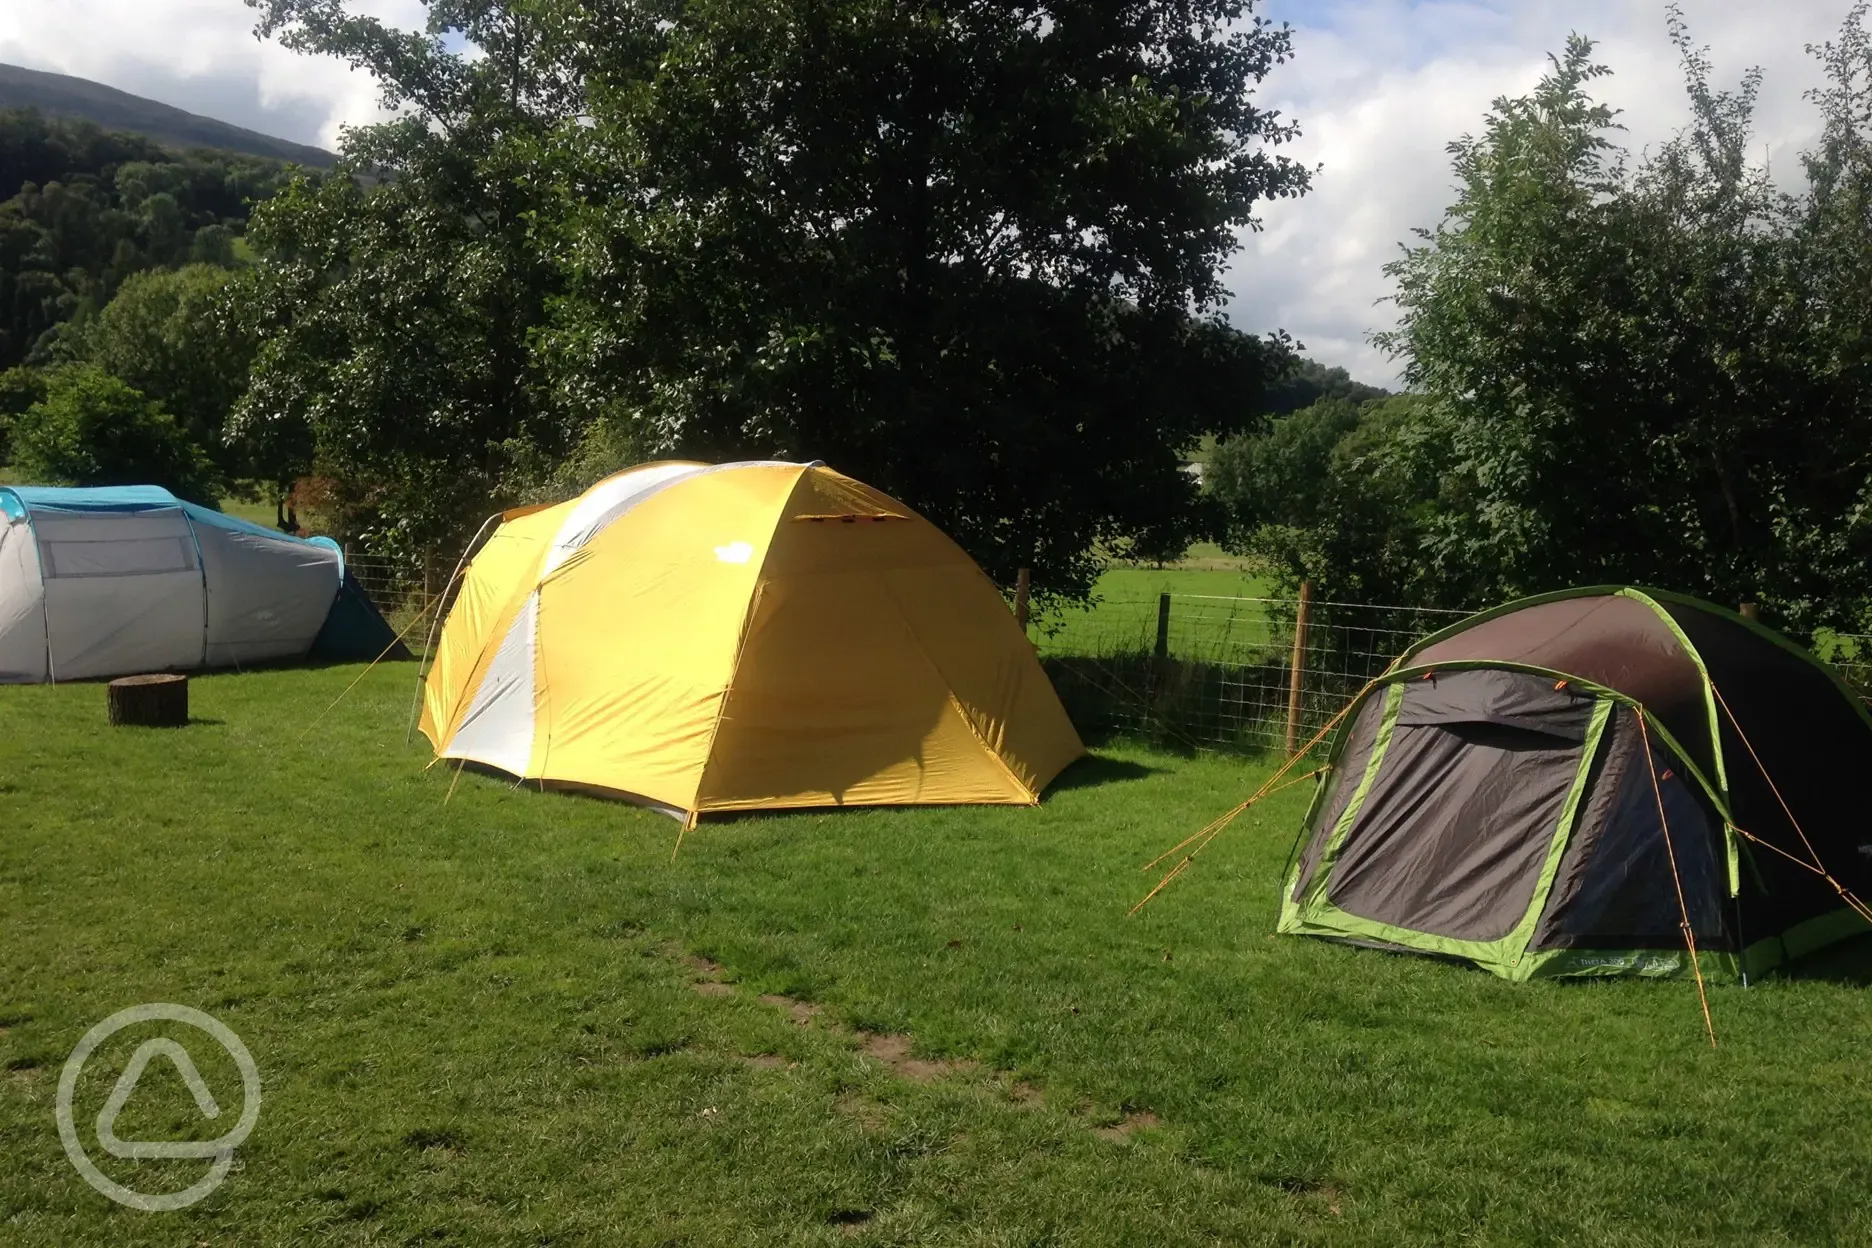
x,y
200,55
1380,87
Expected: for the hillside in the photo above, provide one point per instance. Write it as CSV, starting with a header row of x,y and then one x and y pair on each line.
x,y
58,95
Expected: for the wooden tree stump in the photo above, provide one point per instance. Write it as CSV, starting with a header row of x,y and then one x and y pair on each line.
x,y
153,701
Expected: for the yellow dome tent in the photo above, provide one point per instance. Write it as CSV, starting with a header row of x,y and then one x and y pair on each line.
x,y
743,636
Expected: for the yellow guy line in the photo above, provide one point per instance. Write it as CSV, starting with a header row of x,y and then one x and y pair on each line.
x,y
1683,907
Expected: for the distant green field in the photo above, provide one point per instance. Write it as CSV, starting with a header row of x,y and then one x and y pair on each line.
x,y
256,513
1207,614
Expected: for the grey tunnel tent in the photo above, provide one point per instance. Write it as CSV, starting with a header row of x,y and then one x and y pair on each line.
x,y
122,579
1550,788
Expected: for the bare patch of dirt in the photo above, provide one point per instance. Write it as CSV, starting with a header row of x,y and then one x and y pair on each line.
x,y
767,1061
894,1051
1026,1096
801,1012
1137,1120
849,1221
861,1109
888,1049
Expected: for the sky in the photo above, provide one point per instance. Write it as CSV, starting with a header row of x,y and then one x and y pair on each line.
x,y
1379,88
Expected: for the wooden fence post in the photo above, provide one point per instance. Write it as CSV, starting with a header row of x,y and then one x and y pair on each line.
x,y
1163,626
1023,582
1751,611
1303,615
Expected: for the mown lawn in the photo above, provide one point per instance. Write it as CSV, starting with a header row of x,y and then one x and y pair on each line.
x,y
509,1018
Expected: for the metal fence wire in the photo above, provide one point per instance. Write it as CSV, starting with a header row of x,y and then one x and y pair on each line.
x,y
1187,671
402,589
1851,656
1208,672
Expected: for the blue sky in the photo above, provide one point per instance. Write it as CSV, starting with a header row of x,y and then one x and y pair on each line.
x,y
1378,86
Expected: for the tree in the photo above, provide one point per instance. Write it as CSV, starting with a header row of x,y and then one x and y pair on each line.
x,y
1356,498
1644,369
1306,382
970,253
172,335
82,210
92,429
394,321
1280,475
20,388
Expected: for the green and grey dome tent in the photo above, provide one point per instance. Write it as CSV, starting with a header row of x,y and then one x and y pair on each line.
x,y
1564,785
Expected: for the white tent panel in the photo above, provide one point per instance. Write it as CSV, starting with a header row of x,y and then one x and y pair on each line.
x,y
608,500
498,728
605,503
267,596
22,606
123,592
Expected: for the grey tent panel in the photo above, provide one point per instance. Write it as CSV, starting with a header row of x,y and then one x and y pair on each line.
x,y
1451,837
1347,772
1617,642
1606,894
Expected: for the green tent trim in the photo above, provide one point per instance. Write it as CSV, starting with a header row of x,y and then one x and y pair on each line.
x,y
1308,909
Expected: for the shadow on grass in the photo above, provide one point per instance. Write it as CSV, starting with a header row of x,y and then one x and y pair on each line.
x,y
1096,769
1088,772
1848,963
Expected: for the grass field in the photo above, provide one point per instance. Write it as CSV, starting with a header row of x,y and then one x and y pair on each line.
x,y
509,1017
1123,614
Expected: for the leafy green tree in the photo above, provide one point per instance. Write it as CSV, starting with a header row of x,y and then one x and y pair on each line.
x,y
1357,498
1642,368
969,253
82,210
1306,382
172,335
1280,475
20,388
92,429
1824,527
394,321
604,448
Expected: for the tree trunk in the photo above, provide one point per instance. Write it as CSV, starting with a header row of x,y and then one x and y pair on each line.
x,y
153,701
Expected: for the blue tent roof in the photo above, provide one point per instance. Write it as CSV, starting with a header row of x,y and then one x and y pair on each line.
x,y
99,498
17,500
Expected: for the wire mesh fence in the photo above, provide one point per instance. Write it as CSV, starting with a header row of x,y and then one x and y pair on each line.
x,y
1851,656
1209,672
403,589
1188,671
